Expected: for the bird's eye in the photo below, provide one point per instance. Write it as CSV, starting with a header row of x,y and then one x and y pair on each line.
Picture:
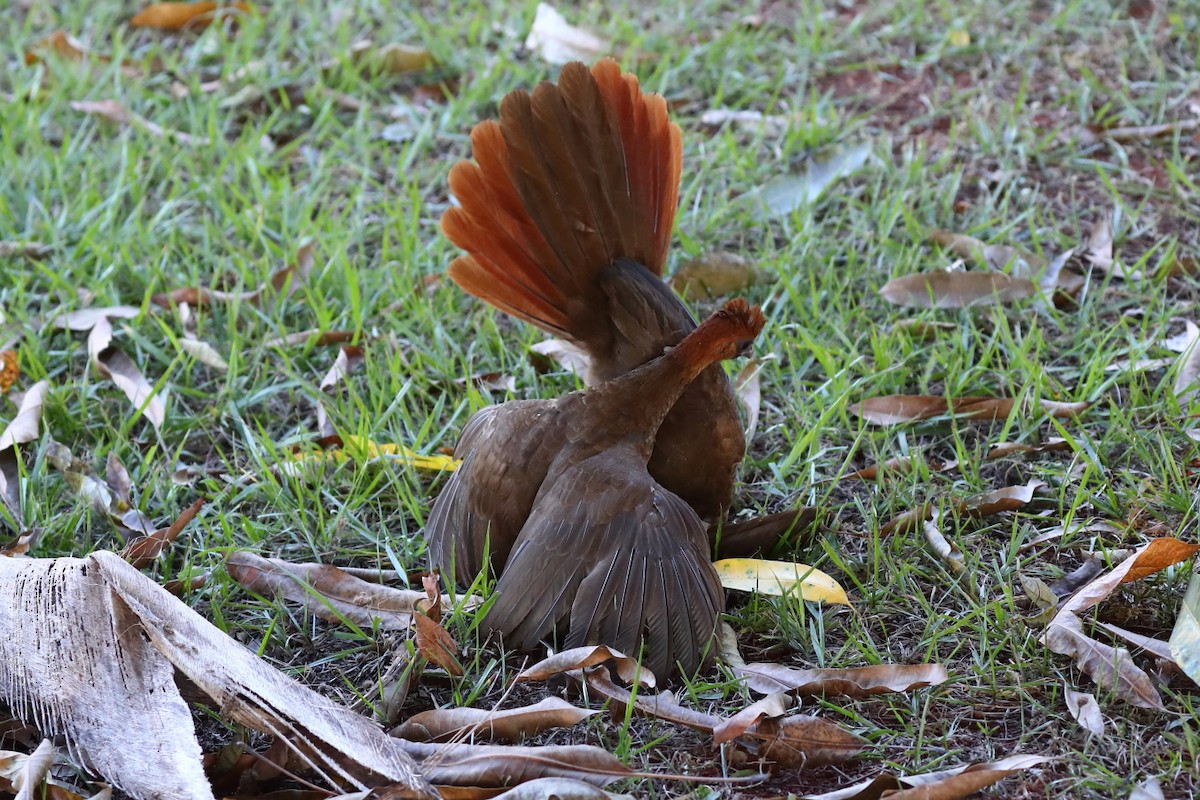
x,y
743,346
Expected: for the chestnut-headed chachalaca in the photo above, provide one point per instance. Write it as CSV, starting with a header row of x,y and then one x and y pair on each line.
x,y
605,545
565,217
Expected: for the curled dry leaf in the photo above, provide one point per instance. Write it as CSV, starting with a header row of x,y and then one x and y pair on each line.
x,y
1113,668
436,644
85,319
1085,710
23,428
330,593
779,578
898,408
715,274
1005,449
588,656
175,16
115,112
956,289
141,552
1008,498
508,725
281,285
500,765
787,193
748,388
940,785
663,706
948,552
557,41
801,741
772,706
112,363
565,354
765,677
900,465
34,250
1185,638
314,337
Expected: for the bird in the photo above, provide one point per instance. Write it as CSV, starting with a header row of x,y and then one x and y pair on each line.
x,y
565,217
606,551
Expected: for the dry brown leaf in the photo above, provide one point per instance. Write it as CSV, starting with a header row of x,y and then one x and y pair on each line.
x,y
291,278
763,677
965,783
1005,449
1185,637
947,551
891,785
1100,248
1085,710
588,656
314,337
922,329
329,592
994,256
662,705
62,45
715,274
442,724
565,354
908,521
85,319
898,408
801,741
1187,373
956,289
557,41
141,552
771,706
34,250
175,16
348,359
112,110
500,765
437,645
112,363
23,428
1113,668
1092,134
10,370
900,465
789,192
1008,498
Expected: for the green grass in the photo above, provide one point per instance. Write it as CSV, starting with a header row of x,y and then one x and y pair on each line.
x,y
979,138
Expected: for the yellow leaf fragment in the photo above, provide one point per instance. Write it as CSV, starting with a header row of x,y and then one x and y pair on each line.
x,y
360,450
778,578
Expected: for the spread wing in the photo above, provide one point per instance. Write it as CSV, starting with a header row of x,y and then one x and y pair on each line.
x,y
622,558
506,451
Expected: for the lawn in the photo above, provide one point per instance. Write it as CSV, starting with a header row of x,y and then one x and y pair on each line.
x,y
1007,121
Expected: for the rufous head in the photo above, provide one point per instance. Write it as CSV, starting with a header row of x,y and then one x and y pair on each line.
x,y
733,328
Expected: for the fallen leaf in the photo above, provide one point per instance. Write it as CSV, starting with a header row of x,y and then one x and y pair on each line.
x,y
1185,638
176,16
1156,647
23,428
556,789
391,59
949,553
801,741
492,382
747,119
922,329
1005,449
290,278
956,289
938,785
779,578
1015,261
441,724
715,274
775,704
330,593
360,450
557,41
437,645
34,250
1092,134
748,388
1085,710
787,193
141,552
10,370
1113,668
112,363
115,112
62,45
565,354
1100,248
1008,498
1187,371
897,408
900,465
1149,789
588,656
457,764
87,318
314,337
